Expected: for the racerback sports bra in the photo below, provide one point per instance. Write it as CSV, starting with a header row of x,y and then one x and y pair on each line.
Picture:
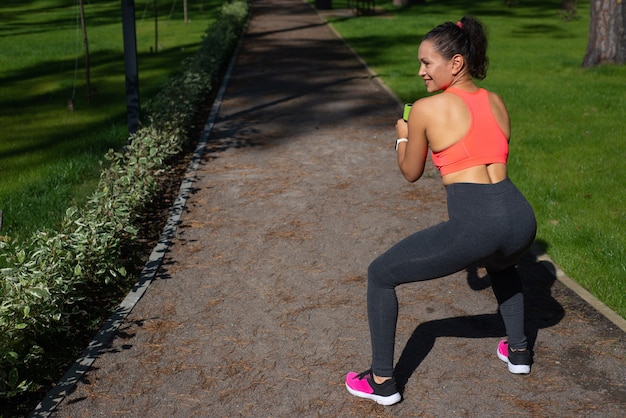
x,y
484,142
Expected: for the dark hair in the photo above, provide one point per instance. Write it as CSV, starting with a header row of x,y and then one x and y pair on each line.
x,y
468,38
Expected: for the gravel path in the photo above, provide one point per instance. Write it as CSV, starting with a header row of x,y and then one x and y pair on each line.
x,y
259,307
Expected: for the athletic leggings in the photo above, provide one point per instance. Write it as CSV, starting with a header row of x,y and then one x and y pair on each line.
x,y
490,223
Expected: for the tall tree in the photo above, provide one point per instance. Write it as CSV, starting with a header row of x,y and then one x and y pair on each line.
x,y
607,39
130,63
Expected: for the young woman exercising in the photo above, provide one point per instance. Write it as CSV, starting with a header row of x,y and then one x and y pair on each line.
x,y
467,129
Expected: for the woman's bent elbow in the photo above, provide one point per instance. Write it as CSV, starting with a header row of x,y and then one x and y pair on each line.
x,y
412,177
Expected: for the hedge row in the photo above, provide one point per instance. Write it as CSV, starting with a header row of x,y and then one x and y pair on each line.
x,y
49,275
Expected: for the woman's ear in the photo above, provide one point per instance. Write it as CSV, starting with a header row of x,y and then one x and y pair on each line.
x,y
458,62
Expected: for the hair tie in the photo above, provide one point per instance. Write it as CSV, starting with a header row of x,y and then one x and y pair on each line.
x,y
459,24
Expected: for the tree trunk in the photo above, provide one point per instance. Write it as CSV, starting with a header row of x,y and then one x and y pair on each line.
x,y
86,43
607,39
130,63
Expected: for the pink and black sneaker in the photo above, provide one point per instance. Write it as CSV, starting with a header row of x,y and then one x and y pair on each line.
x,y
518,361
363,386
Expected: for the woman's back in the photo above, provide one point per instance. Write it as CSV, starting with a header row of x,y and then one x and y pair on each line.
x,y
447,123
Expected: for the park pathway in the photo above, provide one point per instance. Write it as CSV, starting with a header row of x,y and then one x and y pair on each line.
x,y
259,307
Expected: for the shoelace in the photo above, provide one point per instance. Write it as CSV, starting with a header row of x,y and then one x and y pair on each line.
x,y
364,374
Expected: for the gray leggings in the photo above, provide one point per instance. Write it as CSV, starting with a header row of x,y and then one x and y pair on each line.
x,y
490,223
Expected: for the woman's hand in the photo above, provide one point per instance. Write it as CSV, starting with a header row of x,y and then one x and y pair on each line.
x,y
402,129
412,154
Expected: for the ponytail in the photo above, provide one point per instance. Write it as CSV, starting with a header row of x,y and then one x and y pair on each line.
x,y
468,38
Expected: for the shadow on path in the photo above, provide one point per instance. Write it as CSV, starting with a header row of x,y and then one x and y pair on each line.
x,y
541,311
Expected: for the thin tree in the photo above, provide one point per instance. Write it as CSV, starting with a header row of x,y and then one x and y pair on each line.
x,y
185,14
156,27
86,43
607,39
568,9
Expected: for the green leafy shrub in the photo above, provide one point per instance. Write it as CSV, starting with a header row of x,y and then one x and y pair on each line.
x,y
48,278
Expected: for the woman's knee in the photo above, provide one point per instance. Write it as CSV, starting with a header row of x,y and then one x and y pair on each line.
x,y
378,274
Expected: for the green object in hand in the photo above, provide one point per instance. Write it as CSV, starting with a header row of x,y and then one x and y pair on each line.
x,y
407,110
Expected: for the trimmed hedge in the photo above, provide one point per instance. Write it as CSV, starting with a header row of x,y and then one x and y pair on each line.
x,y
49,275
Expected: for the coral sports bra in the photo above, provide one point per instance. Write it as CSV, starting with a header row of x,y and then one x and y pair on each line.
x,y
484,142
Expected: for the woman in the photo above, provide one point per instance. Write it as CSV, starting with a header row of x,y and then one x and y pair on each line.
x,y
467,129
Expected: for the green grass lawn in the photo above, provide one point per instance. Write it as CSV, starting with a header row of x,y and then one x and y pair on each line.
x,y
567,146
566,150
49,155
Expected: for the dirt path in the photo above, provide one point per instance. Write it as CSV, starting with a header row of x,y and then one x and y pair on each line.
x,y
259,308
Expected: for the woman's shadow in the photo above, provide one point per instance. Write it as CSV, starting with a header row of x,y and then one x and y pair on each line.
x,y
541,311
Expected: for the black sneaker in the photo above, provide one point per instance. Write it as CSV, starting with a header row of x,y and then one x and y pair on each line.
x,y
363,386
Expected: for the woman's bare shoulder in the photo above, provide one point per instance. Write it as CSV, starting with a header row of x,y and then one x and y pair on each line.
x,y
501,113
495,99
432,103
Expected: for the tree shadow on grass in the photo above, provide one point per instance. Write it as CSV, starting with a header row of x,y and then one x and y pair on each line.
x,y
541,311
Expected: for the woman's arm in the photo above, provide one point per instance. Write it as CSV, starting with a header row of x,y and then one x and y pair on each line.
x,y
412,154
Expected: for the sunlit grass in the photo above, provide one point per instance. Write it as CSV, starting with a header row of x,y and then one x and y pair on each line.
x,y
567,146
49,153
